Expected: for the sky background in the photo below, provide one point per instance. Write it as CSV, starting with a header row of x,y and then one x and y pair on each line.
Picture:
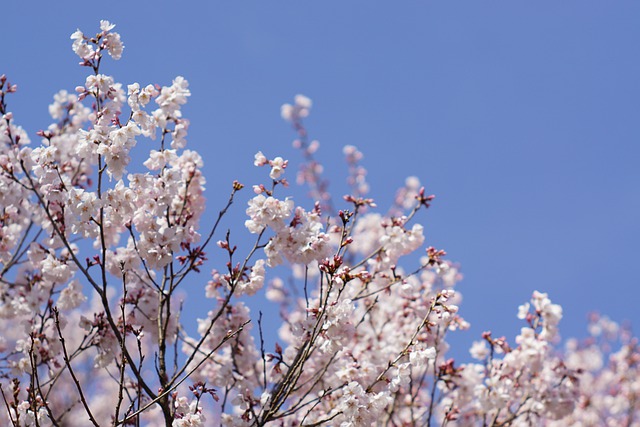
x,y
522,118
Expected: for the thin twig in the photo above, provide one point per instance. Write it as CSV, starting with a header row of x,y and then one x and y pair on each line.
x,y
73,375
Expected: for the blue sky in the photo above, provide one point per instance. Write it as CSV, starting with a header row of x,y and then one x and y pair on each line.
x,y
522,118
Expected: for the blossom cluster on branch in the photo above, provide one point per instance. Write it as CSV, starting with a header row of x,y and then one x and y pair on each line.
x,y
94,254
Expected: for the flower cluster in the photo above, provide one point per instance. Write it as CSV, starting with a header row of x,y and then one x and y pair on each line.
x,y
96,255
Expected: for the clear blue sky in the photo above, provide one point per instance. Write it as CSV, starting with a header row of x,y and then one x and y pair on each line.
x,y
522,117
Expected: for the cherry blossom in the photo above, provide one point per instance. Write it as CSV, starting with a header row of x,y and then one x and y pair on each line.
x,y
100,260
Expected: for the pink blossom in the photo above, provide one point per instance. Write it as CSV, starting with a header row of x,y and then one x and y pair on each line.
x,y
98,282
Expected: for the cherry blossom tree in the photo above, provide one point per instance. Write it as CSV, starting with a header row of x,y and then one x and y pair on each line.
x,y
94,254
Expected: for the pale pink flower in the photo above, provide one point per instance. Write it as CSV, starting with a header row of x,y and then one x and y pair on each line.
x,y
71,296
260,159
479,350
277,167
